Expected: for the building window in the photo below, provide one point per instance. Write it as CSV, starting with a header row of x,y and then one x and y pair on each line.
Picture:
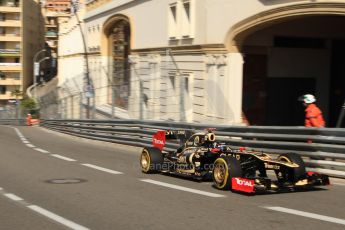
x,y
181,21
2,76
172,77
120,49
173,25
16,76
187,19
2,89
188,94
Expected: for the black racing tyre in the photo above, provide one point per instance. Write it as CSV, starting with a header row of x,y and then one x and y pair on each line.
x,y
151,160
294,174
225,168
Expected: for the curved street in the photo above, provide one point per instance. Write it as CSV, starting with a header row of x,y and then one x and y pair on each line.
x,y
50,180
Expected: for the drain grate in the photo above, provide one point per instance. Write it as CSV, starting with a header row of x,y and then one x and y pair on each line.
x,y
66,181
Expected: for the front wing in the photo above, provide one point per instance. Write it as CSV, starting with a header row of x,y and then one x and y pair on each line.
x,y
255,185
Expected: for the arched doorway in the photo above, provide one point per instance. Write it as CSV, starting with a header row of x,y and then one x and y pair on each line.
x,y
118,36
288,52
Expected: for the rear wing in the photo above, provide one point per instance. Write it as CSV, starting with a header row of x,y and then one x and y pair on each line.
x,y
160,137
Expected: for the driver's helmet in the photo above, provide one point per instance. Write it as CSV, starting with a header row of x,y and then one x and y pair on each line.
x,y
307,98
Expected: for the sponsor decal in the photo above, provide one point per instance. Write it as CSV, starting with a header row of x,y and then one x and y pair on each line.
x,y
311,173
272,166
237,156
242,184
242,149
158,140
214,150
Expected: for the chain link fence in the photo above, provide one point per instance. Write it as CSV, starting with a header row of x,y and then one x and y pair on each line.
x,y
15,111
153,88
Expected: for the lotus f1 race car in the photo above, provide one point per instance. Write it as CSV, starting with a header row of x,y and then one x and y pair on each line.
x,y
200,157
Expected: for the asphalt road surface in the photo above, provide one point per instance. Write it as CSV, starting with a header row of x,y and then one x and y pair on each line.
x,y
54,181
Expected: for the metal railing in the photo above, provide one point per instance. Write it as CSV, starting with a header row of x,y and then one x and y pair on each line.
x,y
12,121
322,149
9,51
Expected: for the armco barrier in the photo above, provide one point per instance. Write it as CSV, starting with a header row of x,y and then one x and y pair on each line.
x,y
323,149
12,122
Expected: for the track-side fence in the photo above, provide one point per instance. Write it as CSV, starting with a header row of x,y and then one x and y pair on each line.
x,y
322,148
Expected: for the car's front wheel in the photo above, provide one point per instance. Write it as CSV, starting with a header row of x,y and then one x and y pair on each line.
x,y
296,173
151,160
225,168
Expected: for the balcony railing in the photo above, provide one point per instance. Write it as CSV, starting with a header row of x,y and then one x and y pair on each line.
x,y
10,81
51,34
10,34
9,64
9,52
10,23
10,3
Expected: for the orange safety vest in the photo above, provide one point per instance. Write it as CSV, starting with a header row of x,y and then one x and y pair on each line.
x,y
28,120
313,116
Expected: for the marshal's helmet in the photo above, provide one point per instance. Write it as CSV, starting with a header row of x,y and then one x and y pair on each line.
x,y
307,98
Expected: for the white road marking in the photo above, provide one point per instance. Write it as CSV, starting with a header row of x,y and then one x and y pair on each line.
x,y
13,197
62,157
25,141
41,150
57,218
177,187
340,184
18,132
102,169
308,214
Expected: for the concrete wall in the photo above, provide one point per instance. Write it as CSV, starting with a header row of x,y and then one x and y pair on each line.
x,y
204,55
71,49
33,37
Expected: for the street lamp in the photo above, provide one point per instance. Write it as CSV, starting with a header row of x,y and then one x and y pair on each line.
x,y
38,53
36,66
36,73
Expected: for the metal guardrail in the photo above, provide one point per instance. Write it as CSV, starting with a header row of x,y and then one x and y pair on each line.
x,y
323,149
12,122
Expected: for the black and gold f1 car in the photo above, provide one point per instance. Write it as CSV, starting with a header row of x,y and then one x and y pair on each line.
x,y
201,156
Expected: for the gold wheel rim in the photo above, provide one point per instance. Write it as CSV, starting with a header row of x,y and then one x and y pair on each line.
x,y
219,173
145,161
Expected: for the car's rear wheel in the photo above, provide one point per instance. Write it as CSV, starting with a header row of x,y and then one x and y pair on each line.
x,y
293,174
225,168
151,160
